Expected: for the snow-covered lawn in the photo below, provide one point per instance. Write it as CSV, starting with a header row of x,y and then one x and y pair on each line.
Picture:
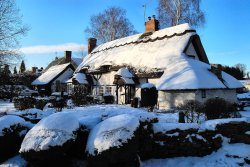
x,y
6,106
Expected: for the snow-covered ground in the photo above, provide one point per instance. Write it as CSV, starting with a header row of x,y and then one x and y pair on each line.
x,y
246,113
228,155
6,106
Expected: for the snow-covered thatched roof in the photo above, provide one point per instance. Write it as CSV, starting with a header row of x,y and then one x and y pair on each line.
x,y
50,74
163,50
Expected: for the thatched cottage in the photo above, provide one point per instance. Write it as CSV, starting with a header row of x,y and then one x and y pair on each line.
x,y
172,58
54,78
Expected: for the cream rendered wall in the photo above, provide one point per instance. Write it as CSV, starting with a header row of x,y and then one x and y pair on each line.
x,y
167,100
227,94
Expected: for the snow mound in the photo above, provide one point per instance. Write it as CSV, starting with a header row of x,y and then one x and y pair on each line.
x,y
90,121
164,127
211,124
33,113
9,120
16,161
54,130
112,132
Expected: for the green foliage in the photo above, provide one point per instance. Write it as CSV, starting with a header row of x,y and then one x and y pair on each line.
x,y
149,97
15,71
22,103
79,96
238,71
40,104
22,67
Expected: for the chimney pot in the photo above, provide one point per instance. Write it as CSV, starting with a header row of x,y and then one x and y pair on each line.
x,y
67,55
34,70
152,24
91,44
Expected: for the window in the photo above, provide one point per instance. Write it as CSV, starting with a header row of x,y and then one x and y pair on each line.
x,y
203,93
58,85
108,90
101,91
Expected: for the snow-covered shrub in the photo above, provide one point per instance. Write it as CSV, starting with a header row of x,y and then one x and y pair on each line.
x,y
50,139
86,124
183,139
192,110
114,142
79,95
149,95
12,132
40,103
108,99
219,108
22,103
33,115
59,103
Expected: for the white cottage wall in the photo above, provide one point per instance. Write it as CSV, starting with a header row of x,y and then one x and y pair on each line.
x,y
167,100
227,94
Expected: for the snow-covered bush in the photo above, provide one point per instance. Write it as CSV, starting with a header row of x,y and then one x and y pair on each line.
x,y
50,139
219,108
149,95
79,95
22,103
33,115
12,131
40,103
192,110
114,142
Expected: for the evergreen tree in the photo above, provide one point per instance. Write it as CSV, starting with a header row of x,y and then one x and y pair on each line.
x,y
15,71
22,67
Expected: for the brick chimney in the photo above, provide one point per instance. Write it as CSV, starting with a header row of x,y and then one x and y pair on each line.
x,y
67,55
152,24
34,70
91,44
217,70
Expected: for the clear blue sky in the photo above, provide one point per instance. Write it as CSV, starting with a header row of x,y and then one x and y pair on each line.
x,y
60,23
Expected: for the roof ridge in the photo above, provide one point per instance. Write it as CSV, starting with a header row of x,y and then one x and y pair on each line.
x,y
145,41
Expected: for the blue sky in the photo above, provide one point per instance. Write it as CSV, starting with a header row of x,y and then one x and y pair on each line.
x,y
59,24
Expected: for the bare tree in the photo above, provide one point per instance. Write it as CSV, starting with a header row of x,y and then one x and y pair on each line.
x,y
109,25
11,30
174,12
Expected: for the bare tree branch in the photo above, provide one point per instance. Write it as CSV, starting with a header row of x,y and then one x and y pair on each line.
x,y
11,30
174,12
110,25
